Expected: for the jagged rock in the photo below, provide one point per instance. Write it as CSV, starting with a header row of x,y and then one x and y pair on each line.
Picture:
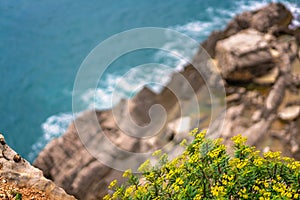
x,y
271,15
68,163
244,56
274,16
17,171
289,113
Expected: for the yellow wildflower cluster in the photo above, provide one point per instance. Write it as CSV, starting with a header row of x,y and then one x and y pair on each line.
x,y
206,171
218,191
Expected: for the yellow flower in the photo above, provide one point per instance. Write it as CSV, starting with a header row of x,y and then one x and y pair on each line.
x,y
112,184
194,158
157,153
129,190
176,188
230,178
217,191
292,166
241,165
194,132
214,153
272,155
239,139
183,143
267,194
127,173
106,197
244,190
266,184
258,162
287,159
278,177
179,181
197,197
255,187
145,166
224,182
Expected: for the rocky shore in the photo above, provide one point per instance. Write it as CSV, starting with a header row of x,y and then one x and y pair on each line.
x,y
20,180
257,55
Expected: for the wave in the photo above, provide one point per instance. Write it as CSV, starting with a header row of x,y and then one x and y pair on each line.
x,y
53,127
294,7
116,87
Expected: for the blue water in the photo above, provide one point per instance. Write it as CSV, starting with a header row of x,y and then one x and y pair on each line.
x,y
43,43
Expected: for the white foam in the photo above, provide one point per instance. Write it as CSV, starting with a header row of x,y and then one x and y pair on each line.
x,y
246,5
125,86
294,7
53,127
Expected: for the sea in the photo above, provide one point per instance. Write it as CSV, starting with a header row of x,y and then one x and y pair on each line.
x,y
43,44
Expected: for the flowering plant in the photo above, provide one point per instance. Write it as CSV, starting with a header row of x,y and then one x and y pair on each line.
x,y
206,170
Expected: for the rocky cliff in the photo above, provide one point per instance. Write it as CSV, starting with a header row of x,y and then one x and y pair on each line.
x,y
258,57
19,178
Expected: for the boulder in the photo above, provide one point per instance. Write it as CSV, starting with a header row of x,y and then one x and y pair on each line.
x,y
274,17
275,14
244,56
289,113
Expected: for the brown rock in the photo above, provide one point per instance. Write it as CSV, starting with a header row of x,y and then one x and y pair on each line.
x,y
17,158
18,173
275,14
244,56
290,113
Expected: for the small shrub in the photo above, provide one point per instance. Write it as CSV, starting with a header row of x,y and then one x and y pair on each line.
x,y
206,171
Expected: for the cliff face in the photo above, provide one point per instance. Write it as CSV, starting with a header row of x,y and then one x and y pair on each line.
x,y
18,177
258,57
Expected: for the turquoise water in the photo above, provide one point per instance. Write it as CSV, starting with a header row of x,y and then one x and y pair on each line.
x,y
43,44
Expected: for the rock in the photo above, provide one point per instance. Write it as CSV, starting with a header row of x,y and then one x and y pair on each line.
x,y
68,163
19,173
233,97
244,56
258,130
256,116
289,113
275,14
275,96
269,78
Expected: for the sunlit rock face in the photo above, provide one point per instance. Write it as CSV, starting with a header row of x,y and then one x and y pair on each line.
x,y
19,173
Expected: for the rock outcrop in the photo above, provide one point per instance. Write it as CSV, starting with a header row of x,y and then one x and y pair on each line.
x,y
18,176
262,61
258,57
245,55
70,165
